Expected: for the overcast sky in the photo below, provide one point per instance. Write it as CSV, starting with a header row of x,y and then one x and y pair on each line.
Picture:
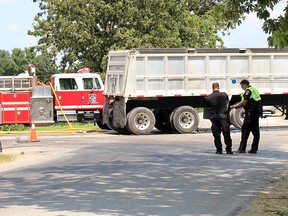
x,y
16,18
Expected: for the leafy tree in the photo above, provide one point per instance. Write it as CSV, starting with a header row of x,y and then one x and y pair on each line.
x,y
18,61
19,57
82,32
277,28
45,65
7,65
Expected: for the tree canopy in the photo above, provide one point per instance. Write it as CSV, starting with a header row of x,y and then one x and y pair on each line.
x,y
82,32
16,62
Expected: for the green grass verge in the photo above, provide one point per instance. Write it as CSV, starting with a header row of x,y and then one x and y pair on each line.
x,y
282,213
65,126
4,158
56,126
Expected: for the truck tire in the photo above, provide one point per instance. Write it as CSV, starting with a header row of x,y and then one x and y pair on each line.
x,y
185,119
80,117
236,117
171,122
162,117
140,121
231,120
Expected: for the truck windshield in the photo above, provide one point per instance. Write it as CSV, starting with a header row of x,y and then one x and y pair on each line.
x,y
89,84
68,84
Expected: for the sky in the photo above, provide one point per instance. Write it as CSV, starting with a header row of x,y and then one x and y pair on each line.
x,y
250,34
16,18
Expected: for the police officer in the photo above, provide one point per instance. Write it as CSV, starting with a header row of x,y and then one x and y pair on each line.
x,y
251,102
218,104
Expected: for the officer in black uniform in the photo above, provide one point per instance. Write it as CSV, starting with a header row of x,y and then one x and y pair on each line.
x,y
217,102
251,102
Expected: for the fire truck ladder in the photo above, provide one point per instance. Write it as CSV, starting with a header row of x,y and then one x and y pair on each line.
x,y
17,83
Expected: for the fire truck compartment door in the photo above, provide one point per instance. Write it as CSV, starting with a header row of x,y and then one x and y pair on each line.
x,y
42,105
15,108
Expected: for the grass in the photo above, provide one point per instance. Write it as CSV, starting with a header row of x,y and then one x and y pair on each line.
x,y
4,158
273,202
65,126
282,213
53,127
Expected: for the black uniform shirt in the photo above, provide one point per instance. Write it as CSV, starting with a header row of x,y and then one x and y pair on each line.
x,y
217,102
247,94
252,104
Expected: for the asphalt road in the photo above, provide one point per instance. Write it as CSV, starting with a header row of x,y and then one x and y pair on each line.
x,y
157,174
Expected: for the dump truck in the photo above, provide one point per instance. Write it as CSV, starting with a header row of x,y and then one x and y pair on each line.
x,y
163,88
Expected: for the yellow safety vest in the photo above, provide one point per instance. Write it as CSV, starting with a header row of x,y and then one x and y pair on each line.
x,y
254,94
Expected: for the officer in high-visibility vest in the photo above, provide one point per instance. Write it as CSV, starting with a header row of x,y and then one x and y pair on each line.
x,y
251,102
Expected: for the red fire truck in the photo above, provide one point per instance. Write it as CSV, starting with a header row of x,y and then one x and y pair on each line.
x,y
70,96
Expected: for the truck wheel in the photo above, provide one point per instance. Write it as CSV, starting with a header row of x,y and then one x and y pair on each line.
x,y
140,121
162,117
171,122
80,117
236,117
185,119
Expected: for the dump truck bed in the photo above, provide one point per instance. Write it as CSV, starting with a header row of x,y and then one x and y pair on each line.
x,y
190,72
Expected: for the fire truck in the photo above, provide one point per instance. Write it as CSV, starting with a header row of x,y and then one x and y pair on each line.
x,y
66,97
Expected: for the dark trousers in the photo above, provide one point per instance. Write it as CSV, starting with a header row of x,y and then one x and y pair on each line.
x,y
250,124
221,124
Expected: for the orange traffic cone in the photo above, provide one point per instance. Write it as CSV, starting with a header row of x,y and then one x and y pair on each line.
x,y
33,136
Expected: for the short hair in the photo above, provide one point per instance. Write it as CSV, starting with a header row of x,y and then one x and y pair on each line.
x,y
215,85
244,82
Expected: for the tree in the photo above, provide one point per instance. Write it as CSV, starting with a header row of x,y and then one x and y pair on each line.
x,y
19,58
45,65
18,61
82,32
277,28
7,65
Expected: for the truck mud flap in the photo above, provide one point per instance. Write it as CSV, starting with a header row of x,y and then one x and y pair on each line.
x,y
115,113
105,119
119,113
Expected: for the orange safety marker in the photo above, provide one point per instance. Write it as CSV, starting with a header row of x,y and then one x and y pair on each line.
x,y
33,136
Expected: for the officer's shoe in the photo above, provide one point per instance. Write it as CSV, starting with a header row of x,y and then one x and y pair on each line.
x,y
229,152
252,151
218,152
